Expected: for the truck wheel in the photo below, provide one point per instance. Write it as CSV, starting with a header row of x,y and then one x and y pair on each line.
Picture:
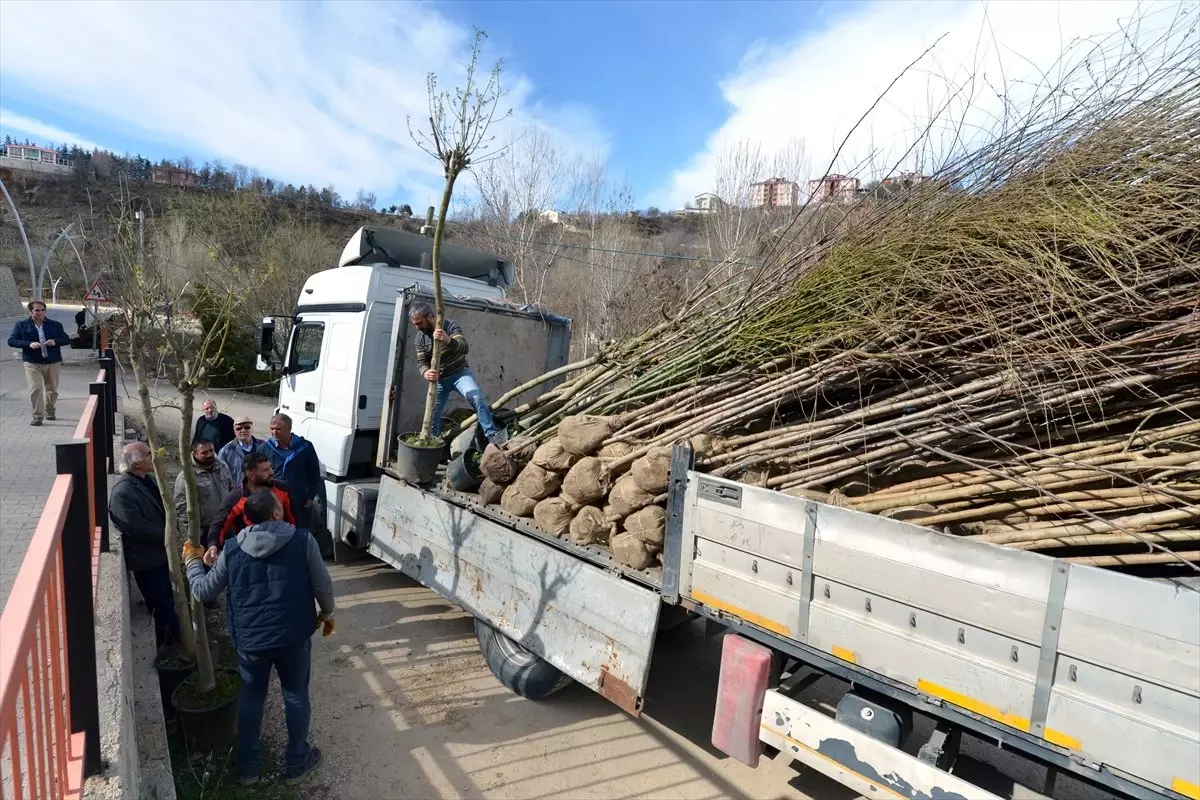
x,y
523,672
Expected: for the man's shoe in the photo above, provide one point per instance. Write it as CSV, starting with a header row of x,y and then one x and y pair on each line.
x,y
499,438
50,415
310,763
37,422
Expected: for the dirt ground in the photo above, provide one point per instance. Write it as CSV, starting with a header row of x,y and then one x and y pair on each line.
x,y
404,706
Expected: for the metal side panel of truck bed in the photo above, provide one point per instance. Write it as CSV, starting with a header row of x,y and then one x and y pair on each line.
x,y
588,622
1099,669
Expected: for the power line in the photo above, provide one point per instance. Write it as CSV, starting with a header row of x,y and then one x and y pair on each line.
x,y
618,251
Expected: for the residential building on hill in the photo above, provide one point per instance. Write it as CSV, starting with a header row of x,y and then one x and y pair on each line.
x,y
774,193
833,187
906,180
704,203
173,176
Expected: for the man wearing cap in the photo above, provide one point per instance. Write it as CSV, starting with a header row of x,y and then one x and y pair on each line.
x,y
244,443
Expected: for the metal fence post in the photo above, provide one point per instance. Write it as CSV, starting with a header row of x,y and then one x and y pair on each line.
x,y
71,458
108,362
101,444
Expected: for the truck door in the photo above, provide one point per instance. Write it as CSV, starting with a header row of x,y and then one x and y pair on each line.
x,y
302,386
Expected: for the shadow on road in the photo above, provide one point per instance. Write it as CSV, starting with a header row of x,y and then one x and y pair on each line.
x,y
406,706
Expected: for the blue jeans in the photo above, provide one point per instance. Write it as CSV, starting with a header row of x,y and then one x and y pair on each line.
x,y
155,586
464,383
293,665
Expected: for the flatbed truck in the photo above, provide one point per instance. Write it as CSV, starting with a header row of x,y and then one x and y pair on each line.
x,y
1093,673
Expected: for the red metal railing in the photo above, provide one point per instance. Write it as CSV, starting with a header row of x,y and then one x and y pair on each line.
x,y
48,737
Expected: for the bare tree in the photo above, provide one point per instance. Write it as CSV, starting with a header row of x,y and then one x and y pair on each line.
x,y
733,230
458,132
521,191
364,200
148,280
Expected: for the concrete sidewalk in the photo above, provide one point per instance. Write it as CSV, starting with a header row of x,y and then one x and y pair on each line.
x,y
27,468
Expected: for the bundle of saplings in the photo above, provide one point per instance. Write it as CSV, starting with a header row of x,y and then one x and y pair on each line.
x,y
1008,351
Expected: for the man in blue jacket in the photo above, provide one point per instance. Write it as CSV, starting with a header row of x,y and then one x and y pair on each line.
x,y
40,341
295,462
273,572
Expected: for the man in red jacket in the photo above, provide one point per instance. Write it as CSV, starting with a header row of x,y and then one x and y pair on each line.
x,y
259,474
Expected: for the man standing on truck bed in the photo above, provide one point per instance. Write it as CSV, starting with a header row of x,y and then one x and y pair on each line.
x,y
453,374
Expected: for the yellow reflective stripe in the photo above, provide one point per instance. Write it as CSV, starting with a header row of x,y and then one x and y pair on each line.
x,y
748,616
991,712
1186,788
844,654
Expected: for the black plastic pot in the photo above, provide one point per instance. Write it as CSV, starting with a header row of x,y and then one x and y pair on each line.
x,y
172,669
212,725
462,473
417,464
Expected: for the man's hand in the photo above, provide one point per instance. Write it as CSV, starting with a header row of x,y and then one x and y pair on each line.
x,y
441,335
191,553
35,345
328,626
210,556
431,375
308,503
51,343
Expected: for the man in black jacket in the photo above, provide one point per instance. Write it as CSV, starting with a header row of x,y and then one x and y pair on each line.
x,y
40,341
213,426
136,508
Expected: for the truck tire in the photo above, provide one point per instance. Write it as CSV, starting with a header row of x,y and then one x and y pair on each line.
x,y
523,672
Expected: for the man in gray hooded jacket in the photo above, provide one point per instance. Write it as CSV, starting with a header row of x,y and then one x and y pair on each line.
x,y
273,572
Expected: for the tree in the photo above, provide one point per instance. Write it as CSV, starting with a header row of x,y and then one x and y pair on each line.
x,y
531,176
159,270
458,130
364,200
733,230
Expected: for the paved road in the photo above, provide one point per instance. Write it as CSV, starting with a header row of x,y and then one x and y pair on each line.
x,y
27,453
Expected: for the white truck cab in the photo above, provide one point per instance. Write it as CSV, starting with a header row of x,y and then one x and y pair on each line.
x,y
334,370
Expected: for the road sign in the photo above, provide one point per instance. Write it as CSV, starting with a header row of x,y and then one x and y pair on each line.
x,y
96,294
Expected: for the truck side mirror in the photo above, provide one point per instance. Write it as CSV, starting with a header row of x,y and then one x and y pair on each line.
x,y
266,346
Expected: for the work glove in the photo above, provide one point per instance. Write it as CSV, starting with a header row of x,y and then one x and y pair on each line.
x,y
327,624
192,553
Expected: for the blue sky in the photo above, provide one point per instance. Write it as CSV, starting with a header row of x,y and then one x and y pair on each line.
x,y
675,98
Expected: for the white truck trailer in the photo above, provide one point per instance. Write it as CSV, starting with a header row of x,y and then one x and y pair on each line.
x,y
1093,673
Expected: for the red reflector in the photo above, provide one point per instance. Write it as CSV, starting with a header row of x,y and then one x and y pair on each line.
x,y
745,671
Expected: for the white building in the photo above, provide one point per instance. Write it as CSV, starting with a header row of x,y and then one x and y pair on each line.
x,y
704,203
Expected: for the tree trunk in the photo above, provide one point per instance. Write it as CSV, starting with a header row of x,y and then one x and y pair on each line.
x,y
179,590
204,661
435,359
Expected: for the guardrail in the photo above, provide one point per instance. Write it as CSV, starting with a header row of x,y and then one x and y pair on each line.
x,y
49,704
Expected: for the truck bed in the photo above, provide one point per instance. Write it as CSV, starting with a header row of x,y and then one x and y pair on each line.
x,y
1093,667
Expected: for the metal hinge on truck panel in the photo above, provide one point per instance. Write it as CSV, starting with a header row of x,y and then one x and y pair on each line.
x,y
681,463
708,489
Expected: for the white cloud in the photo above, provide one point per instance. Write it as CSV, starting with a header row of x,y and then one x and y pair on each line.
x,y
308,93
816,87
12,122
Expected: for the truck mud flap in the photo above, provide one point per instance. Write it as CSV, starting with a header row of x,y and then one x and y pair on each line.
x,y
587,622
